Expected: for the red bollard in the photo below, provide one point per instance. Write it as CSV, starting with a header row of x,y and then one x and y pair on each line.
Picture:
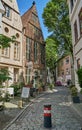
x,y
47,116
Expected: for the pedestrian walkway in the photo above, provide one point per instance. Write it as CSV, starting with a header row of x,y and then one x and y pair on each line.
x,y
63,118
10,105
77,106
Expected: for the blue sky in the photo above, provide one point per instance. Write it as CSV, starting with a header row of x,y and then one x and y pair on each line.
x,y
24,5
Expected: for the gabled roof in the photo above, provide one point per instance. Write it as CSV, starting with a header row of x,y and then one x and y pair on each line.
x,y
26,17
33,10
62,57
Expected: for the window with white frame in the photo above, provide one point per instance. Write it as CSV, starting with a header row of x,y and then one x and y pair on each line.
x,y
17,51
5,52
7,11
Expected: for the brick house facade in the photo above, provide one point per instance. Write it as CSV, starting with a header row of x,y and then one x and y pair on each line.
x,y
33,47
64,71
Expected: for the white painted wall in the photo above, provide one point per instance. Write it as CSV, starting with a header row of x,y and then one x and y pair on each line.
x,y
14,24
78,46
1,12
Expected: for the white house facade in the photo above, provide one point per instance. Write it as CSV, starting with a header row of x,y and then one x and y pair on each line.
x,y
2,10
11,58
75,14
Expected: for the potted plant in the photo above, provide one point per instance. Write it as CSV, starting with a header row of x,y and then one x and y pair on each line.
x,y
74,94
40,89
51,86
79,74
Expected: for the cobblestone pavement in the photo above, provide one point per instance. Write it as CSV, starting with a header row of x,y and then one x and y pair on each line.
x,y
7,115
63,116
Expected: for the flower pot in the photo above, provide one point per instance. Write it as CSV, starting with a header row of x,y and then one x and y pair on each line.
x,y
76,99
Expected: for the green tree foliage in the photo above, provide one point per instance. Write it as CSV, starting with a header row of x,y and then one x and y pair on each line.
x,y
6,41
51,52
4,75
79,74
56,19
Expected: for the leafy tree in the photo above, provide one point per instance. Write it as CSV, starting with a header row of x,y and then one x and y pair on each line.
x,y
4,75
51,52
56,18
79,74
6,41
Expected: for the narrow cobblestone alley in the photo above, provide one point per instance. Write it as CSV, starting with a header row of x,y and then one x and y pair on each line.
x,y
63,116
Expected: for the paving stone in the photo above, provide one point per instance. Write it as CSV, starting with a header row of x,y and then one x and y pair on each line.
x,y
63,118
